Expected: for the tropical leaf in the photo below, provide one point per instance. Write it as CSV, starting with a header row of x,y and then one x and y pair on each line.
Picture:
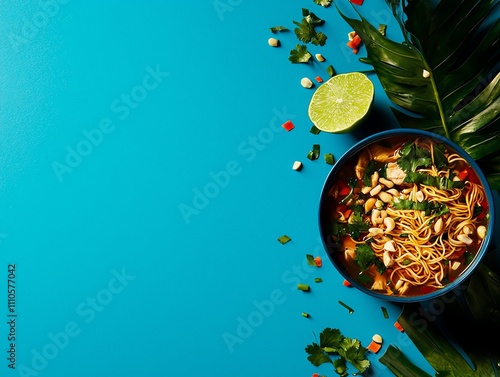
x,y
444,76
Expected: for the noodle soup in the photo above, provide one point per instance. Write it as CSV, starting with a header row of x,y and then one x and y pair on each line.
x,y
405,216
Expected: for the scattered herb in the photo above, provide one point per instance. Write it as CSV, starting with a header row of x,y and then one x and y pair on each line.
x,y
318,280
314,153
310,260
329,159
275,29
331,71
349,309
303,287
385,313
306,31
300,54
382,29
306,315
314,130
323,3
284,239
333,344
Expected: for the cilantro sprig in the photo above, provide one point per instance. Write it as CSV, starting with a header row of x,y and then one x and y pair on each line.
x,y
306,29
338,350
300,54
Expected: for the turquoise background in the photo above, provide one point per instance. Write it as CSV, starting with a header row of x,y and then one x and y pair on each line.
x,y
153,248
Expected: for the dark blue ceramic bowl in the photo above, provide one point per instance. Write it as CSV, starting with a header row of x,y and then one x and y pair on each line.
x,y
325,217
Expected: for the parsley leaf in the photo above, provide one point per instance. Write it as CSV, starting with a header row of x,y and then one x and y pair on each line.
x,y
341,367
300,54
323,3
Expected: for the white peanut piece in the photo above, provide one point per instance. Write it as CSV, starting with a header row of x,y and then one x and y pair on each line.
x,y
438,225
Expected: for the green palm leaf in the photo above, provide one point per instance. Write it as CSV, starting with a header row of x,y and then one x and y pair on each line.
x,y
457,43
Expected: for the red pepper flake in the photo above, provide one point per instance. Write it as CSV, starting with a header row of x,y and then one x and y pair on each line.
x,y
346,283
374,347
398,326
315,375
318,261
357,2
355,42
288,125
318,79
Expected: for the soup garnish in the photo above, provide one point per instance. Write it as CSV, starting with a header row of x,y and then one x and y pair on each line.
x,y
407,217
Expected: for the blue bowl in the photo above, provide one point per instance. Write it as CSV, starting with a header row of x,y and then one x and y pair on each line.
x,y
325,216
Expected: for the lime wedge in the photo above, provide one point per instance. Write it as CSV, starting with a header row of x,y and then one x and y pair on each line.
x,y
342,103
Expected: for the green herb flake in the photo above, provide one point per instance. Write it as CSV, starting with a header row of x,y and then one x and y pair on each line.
x,y
329,159
275,29
323,3
318,280
284,239
382,28
305,30
333,344
315,130
303,287
385,313
300,54
314,153
310,260
305,315
331,71
349,309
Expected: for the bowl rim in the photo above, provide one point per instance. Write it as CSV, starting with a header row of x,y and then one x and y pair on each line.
x,y
417,133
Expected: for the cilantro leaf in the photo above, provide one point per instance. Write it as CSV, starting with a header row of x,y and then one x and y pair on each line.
x,y
305,30
311,17
310,260
316,355
300,54
365,256
333,342
331,339
275,29
356,355
323,3
340,366
440,159
319,39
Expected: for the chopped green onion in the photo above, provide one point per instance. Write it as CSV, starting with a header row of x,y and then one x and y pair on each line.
x,y
284,239
349,309
303,287
385,312
331,71
306,315
314,130
314,153
318,280
329,159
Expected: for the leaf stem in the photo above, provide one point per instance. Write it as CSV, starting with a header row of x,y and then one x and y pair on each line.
x,y
438,100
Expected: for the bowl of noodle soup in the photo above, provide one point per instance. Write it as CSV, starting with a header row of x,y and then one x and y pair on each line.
x,y
405,215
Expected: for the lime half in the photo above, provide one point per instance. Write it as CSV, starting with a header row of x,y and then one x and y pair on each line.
x,y
342,103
